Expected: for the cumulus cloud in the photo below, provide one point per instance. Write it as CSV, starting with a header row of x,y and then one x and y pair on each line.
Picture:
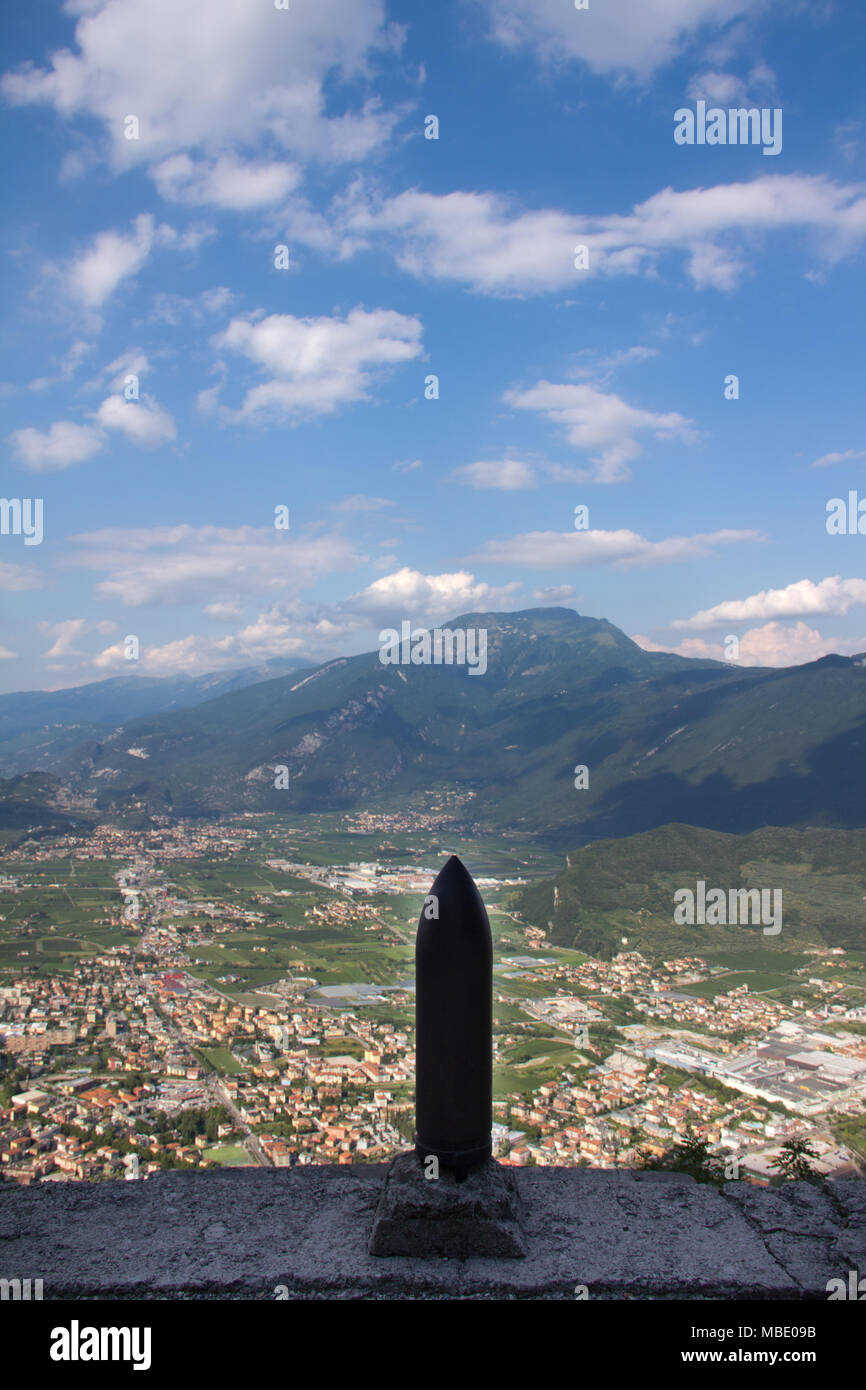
x,y
488,243
803,598
221,80
407,593
63,444
579,549
112,257
629,36
774,644
506,475
143,422
226,183
315,365
601,421
319,632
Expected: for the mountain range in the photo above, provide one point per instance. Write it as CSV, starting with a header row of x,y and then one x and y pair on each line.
x,y
37,725
664,738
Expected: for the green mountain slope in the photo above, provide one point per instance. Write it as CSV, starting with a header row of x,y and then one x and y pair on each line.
x,y
38,725
625,887
665,738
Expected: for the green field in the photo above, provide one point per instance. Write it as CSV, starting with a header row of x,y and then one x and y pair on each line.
x,y
60,916
222,1060
232,1155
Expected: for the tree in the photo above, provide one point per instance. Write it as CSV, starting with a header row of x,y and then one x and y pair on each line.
x,y
793,1161
690,1156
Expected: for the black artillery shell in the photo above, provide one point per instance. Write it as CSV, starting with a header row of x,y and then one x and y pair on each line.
x,y
454,1023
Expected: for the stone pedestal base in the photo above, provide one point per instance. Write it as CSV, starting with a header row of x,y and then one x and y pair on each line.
x,y
429,1217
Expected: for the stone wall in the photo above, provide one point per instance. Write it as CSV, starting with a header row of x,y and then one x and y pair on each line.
x,y
243,1233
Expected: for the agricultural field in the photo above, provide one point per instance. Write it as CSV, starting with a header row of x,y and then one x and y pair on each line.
x,y
62,914
758,981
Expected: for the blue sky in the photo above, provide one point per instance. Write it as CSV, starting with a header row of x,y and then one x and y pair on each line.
x,y
154,258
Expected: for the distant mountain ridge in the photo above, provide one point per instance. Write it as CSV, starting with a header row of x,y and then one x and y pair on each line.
x,y
665,738
36,725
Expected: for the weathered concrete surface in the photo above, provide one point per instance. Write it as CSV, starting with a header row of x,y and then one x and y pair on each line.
x,y
446,1218
242,1233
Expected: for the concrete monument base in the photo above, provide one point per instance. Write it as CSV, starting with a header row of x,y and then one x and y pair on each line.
x,y
447,1217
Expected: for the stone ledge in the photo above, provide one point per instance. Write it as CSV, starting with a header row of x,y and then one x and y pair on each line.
x,y
239,1234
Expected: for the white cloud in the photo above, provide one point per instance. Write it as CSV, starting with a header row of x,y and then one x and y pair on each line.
x,y
143,422
726,89
16,579
407,593
604,367
360,502
484,241
227,182
770,645
69,365
112,257
63,444
849,455
847,136
630,36
287,628
316,365
132,362
206,564
506,475
777,645
65,635
717,88
229,609
578,549
473,238
601,421
174,308
218,79
319,632
804,598
6,655
557,593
